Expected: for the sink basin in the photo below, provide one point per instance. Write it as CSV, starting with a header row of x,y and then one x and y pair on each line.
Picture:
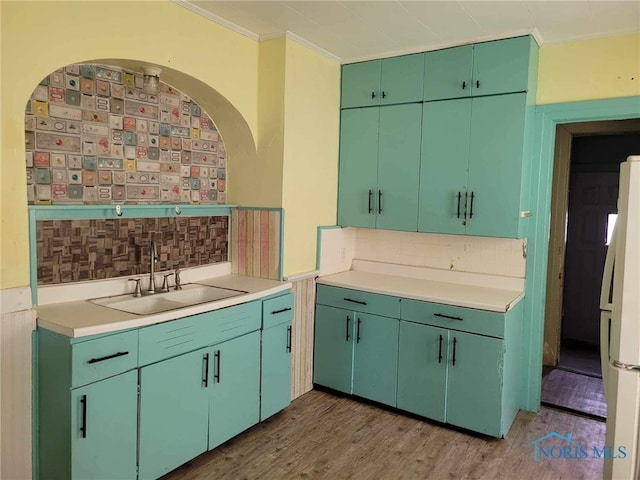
x,y
191,294
194,293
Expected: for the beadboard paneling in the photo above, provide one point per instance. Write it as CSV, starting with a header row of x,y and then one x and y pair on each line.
x,y
15,393
304,292
255,242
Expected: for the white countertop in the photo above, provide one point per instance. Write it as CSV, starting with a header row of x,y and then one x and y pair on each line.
x,y
80,318
476,291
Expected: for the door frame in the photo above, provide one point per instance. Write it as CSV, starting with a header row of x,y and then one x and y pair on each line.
x,y
547,118
559,210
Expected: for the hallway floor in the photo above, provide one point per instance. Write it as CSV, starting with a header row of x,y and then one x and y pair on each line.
x,y
326,436
576,383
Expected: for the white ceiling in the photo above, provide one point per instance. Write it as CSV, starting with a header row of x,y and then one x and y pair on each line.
x,y
359,30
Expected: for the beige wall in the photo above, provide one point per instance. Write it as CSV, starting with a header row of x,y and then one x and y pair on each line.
x,y
217,67
245,86
592,69
310,174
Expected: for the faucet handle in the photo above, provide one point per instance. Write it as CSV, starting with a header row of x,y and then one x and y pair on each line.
x,y
165,282
178,286
138,291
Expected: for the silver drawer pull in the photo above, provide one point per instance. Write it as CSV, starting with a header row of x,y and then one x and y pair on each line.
x,y
447,316
108,357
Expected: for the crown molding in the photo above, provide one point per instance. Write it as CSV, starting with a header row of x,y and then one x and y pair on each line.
x,y
311,46
439,46
215,18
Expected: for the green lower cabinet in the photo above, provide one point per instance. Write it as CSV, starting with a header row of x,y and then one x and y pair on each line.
x,y
333,352
104,429
356,353
375,358
422,370
475,382
275,392
234,378
174,407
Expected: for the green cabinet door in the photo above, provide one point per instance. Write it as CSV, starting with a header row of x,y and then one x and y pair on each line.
x,y
361,84
275,392
402,79
104,419
443,166
474,390
501,66
333,348
448,73
234,376
422,370
495,165
358,177
375,358
174,405
398,167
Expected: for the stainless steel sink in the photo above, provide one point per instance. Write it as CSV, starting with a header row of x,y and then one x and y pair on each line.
x,y
191,294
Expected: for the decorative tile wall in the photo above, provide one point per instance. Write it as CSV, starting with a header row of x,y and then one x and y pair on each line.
x,y
93,136
80,250
256,242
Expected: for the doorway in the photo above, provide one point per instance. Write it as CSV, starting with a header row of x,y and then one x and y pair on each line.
x,y
584,197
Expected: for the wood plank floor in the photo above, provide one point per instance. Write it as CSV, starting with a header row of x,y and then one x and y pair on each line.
x,y
325,436
574,391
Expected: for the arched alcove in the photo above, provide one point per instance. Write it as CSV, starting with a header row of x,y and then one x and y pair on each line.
x,y
93,136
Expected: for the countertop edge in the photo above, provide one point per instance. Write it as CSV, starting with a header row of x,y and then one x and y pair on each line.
x,y
138,321
449,300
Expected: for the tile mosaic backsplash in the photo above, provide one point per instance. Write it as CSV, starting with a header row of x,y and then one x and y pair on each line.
x,y
93,136
80,250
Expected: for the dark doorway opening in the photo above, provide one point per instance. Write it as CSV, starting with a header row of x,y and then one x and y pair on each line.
x,y
573,377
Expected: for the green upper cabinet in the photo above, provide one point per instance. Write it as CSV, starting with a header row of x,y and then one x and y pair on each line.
x,y
379,165
444,165
361,84
447,73
472,165
489,68
398,167
383,82
358,172
501,66
495,165
402,79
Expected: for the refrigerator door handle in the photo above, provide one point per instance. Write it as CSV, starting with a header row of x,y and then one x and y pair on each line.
x,y
607,276
625,366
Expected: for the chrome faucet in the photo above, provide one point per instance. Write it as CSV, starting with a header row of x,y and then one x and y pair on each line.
x,y
178,285
154,258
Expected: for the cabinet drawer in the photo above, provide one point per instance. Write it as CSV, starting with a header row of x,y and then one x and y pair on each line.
x,y
277,310
173,338
359,301
103,357
457,318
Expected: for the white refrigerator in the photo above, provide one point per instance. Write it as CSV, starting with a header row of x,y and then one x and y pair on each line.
x,y
620,330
